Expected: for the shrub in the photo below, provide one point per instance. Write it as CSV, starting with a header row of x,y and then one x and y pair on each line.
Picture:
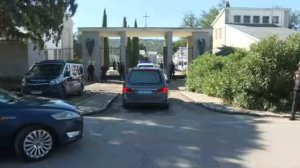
x,y
261,78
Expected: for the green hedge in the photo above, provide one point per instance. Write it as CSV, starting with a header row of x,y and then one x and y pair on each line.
x,y
261,78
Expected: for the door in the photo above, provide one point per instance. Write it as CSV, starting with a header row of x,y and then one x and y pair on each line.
x,y
7,118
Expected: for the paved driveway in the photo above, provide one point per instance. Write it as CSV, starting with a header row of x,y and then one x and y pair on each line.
x,y
185,136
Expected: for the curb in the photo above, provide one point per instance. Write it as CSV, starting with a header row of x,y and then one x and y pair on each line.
x,y
103,108
233,112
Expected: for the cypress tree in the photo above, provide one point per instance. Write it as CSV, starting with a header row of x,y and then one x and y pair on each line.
x,y
135,47
124,22
106,44
129,59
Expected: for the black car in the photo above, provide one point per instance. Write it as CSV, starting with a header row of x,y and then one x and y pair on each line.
x,y
145,86
54,78
33,126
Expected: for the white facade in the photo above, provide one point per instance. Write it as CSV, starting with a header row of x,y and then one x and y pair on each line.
x,y
180,58
226,35
276,16
63,50
17,57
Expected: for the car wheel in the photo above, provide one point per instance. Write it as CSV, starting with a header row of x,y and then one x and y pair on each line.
x,y
34,143
80,92
62,93
125,106
166,106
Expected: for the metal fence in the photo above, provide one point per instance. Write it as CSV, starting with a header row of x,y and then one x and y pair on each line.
x,y
61,54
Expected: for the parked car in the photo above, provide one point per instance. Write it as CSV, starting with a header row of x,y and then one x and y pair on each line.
x,y
145,86
33,126
54,78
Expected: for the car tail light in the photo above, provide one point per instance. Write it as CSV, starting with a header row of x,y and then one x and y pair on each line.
x,y
126,90
163,90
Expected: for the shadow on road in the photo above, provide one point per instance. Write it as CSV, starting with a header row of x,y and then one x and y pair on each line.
x,y
186,135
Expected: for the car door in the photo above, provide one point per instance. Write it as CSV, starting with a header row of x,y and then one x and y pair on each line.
x,y
68,79
76,79
7,119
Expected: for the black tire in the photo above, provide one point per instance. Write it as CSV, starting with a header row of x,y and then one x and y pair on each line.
x,y
44,147
62,93
125,106
166,106
80,92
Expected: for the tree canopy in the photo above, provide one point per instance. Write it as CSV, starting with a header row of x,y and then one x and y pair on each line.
x,y
35,20
190,20
206,17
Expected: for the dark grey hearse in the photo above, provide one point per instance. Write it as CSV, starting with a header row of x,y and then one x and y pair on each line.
x,y
145,86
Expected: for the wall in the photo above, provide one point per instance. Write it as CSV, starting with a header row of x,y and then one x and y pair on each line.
x,y
67,39
13,59
95,58
13,64
258,12
236,38
219,40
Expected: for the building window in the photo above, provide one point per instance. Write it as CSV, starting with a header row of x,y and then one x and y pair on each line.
x,y
256,19
275,19
216,34
246,19
45,54
237,19
266,19
220,33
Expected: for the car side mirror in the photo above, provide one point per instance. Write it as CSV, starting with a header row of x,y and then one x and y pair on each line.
x,y
67,74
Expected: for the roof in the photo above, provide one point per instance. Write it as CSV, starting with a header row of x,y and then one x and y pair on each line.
x,y
144,31
218,16
262,31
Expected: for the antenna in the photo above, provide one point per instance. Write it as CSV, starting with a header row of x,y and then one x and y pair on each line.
x,y
146,16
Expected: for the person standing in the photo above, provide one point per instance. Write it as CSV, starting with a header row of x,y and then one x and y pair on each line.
x,y
172,70
114,65
90,70
121,71
104,69
296,96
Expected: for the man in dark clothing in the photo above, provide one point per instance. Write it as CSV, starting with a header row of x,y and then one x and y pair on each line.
x,y
172,71
90,72
114,65
103,73
121,71
296,96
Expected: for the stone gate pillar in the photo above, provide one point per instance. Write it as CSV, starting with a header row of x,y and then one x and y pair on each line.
x,y
169,52
91,52
123,44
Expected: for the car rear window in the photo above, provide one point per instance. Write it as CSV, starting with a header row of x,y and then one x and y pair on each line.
x,y
144,77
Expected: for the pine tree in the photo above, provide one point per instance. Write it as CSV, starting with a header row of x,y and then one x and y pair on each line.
x,y
135,47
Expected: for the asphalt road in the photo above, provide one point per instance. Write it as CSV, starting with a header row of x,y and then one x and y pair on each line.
x,y
185,136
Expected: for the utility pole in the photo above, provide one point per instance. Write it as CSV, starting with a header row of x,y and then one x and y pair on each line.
x,y
146,16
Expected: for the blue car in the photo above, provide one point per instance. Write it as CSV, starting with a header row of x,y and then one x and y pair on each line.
x,y
33,126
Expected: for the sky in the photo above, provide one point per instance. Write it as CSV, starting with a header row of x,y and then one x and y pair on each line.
x,y
162,13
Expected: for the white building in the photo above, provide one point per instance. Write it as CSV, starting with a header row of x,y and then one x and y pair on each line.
x,y
240,27
180,58
17,57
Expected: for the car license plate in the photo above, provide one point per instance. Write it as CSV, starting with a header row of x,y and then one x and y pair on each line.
x,y
36,92
145,92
